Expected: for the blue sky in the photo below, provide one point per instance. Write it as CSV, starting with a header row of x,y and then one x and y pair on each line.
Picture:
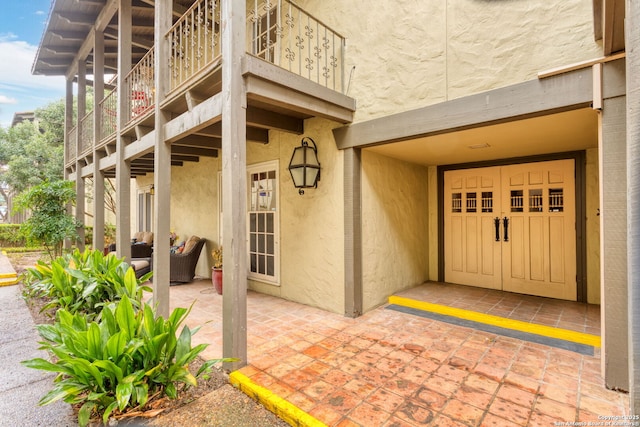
x,y
21,25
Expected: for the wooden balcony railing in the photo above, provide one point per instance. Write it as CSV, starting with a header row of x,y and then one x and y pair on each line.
x,y
281,32
278,31
86,133
108,115
72,142
140,86
194,41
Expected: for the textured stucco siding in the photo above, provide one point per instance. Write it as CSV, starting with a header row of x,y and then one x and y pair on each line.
x,y
395,227
411,54
311,225
194,205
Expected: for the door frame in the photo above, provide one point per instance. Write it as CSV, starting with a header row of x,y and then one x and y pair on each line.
x,y
579,158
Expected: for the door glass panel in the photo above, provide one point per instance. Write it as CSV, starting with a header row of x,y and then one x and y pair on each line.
x,y
487,201
456,202
556,200
535,200
516,201
471,202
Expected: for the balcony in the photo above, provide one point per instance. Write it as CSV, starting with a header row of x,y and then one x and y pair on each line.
x,y
286,47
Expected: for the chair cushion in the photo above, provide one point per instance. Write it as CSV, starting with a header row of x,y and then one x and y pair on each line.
x,y
139,264
191,243
147,237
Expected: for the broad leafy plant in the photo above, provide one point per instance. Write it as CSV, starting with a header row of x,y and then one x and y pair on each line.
x,y
118,361
83,282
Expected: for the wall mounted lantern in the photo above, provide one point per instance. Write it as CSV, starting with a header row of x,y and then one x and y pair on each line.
x,y
304,165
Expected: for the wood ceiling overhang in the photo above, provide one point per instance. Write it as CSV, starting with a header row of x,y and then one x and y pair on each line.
x,y
71,23
608,25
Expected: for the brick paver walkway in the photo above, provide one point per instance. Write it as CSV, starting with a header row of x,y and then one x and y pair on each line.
x,y
393,369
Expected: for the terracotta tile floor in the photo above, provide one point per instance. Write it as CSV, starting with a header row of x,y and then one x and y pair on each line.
x,y
388,368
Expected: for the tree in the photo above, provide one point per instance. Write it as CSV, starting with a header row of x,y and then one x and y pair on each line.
x,y
32,152
49,224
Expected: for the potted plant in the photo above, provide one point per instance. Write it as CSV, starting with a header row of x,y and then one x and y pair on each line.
x,y
216,270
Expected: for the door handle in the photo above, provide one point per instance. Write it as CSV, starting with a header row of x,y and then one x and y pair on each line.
x,y
496,222
506,228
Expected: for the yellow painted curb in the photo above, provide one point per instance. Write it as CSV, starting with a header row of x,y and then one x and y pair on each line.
x,y
9,282
8,275
290,413
501,322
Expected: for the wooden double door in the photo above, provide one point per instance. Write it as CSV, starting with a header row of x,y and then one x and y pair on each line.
x,y
512,228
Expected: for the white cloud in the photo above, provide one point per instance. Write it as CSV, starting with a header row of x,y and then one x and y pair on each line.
x,y
40,12
6,100
27,91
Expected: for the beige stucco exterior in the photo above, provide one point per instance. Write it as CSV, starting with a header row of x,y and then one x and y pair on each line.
x,y
395,227
311,225
410,54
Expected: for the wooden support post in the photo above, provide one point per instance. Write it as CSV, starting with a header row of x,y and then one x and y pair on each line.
x,y
162,163
123,168
234,184
98,176
80,186
353,233
68,125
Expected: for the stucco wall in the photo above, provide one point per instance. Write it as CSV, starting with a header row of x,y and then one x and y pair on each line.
x,y
409,54
311,225
194,205
395,226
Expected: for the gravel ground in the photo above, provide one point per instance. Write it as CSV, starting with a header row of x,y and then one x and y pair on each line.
x,y
213,403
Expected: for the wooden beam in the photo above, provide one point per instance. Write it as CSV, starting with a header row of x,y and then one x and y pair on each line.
x,y
62,50
76,18
69,35
258,135
178,10
136,41
196,151
200,117
253,134
106,14
199,141
184,158
533,98
56,62
265,119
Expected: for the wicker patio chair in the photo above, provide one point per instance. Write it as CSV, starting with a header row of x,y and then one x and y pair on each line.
x,y
183,266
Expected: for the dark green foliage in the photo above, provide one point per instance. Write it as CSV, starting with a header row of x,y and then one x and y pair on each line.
x,y
84,282
119,361
49,224
110,350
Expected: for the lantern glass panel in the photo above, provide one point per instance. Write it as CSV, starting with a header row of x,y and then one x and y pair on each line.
x,y
311,175
298,176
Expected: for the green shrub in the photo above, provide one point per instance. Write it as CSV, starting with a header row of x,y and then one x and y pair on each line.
x,y
10,236
83,282
119,361
49,224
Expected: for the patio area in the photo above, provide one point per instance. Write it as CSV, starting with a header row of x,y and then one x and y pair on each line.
x,y
389,368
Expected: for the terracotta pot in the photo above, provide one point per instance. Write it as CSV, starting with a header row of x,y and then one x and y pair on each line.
x,y
216,279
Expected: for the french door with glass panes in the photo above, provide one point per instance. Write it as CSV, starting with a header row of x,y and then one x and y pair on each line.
x,y
512,228
263,227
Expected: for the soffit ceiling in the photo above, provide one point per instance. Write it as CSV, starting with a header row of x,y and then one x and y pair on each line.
x,y
567,131
70,23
